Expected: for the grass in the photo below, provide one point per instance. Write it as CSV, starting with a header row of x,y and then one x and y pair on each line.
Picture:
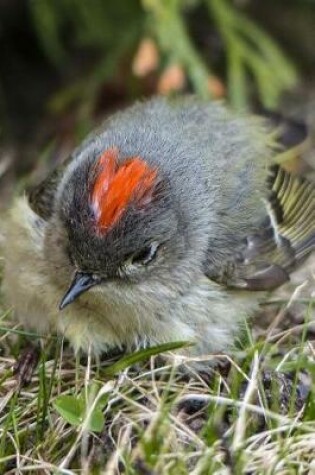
x,y
254,414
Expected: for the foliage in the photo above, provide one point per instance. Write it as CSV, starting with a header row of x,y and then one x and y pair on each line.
x,y
112,31
86,418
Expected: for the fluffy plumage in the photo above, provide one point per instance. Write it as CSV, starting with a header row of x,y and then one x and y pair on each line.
x,y
218,226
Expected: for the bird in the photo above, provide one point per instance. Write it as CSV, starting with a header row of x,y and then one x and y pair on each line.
x,y
170,222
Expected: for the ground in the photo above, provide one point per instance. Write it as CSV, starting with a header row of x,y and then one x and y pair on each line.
x,y
254,414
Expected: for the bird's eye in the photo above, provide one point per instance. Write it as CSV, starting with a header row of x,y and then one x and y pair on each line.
x,y
146,255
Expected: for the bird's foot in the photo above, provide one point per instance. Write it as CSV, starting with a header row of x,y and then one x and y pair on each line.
x,y
26,364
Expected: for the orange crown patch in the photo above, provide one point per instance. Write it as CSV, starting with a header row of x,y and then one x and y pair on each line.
x,y
116,185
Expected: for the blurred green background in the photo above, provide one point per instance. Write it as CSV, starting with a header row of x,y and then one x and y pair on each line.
x,y
65,64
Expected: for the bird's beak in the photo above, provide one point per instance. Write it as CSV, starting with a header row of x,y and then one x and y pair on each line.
x,y
80,283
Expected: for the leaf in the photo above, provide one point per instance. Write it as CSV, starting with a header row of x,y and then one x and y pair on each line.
x,y
70,408
93,390
309,412
73,410
96,421
142,355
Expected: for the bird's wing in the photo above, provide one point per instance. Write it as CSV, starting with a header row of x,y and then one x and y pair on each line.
x,y
264,259
41,196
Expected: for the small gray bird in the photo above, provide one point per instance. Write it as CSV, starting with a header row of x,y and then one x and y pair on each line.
x,y
166,224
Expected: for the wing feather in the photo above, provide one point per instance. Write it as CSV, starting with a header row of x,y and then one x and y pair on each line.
x,y
264,259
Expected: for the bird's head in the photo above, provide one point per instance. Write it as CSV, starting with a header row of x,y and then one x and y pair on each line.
x,y
118,223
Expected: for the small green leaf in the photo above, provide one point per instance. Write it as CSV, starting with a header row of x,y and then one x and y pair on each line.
x,y
74,411
92,393
97,420
309,412
70,408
